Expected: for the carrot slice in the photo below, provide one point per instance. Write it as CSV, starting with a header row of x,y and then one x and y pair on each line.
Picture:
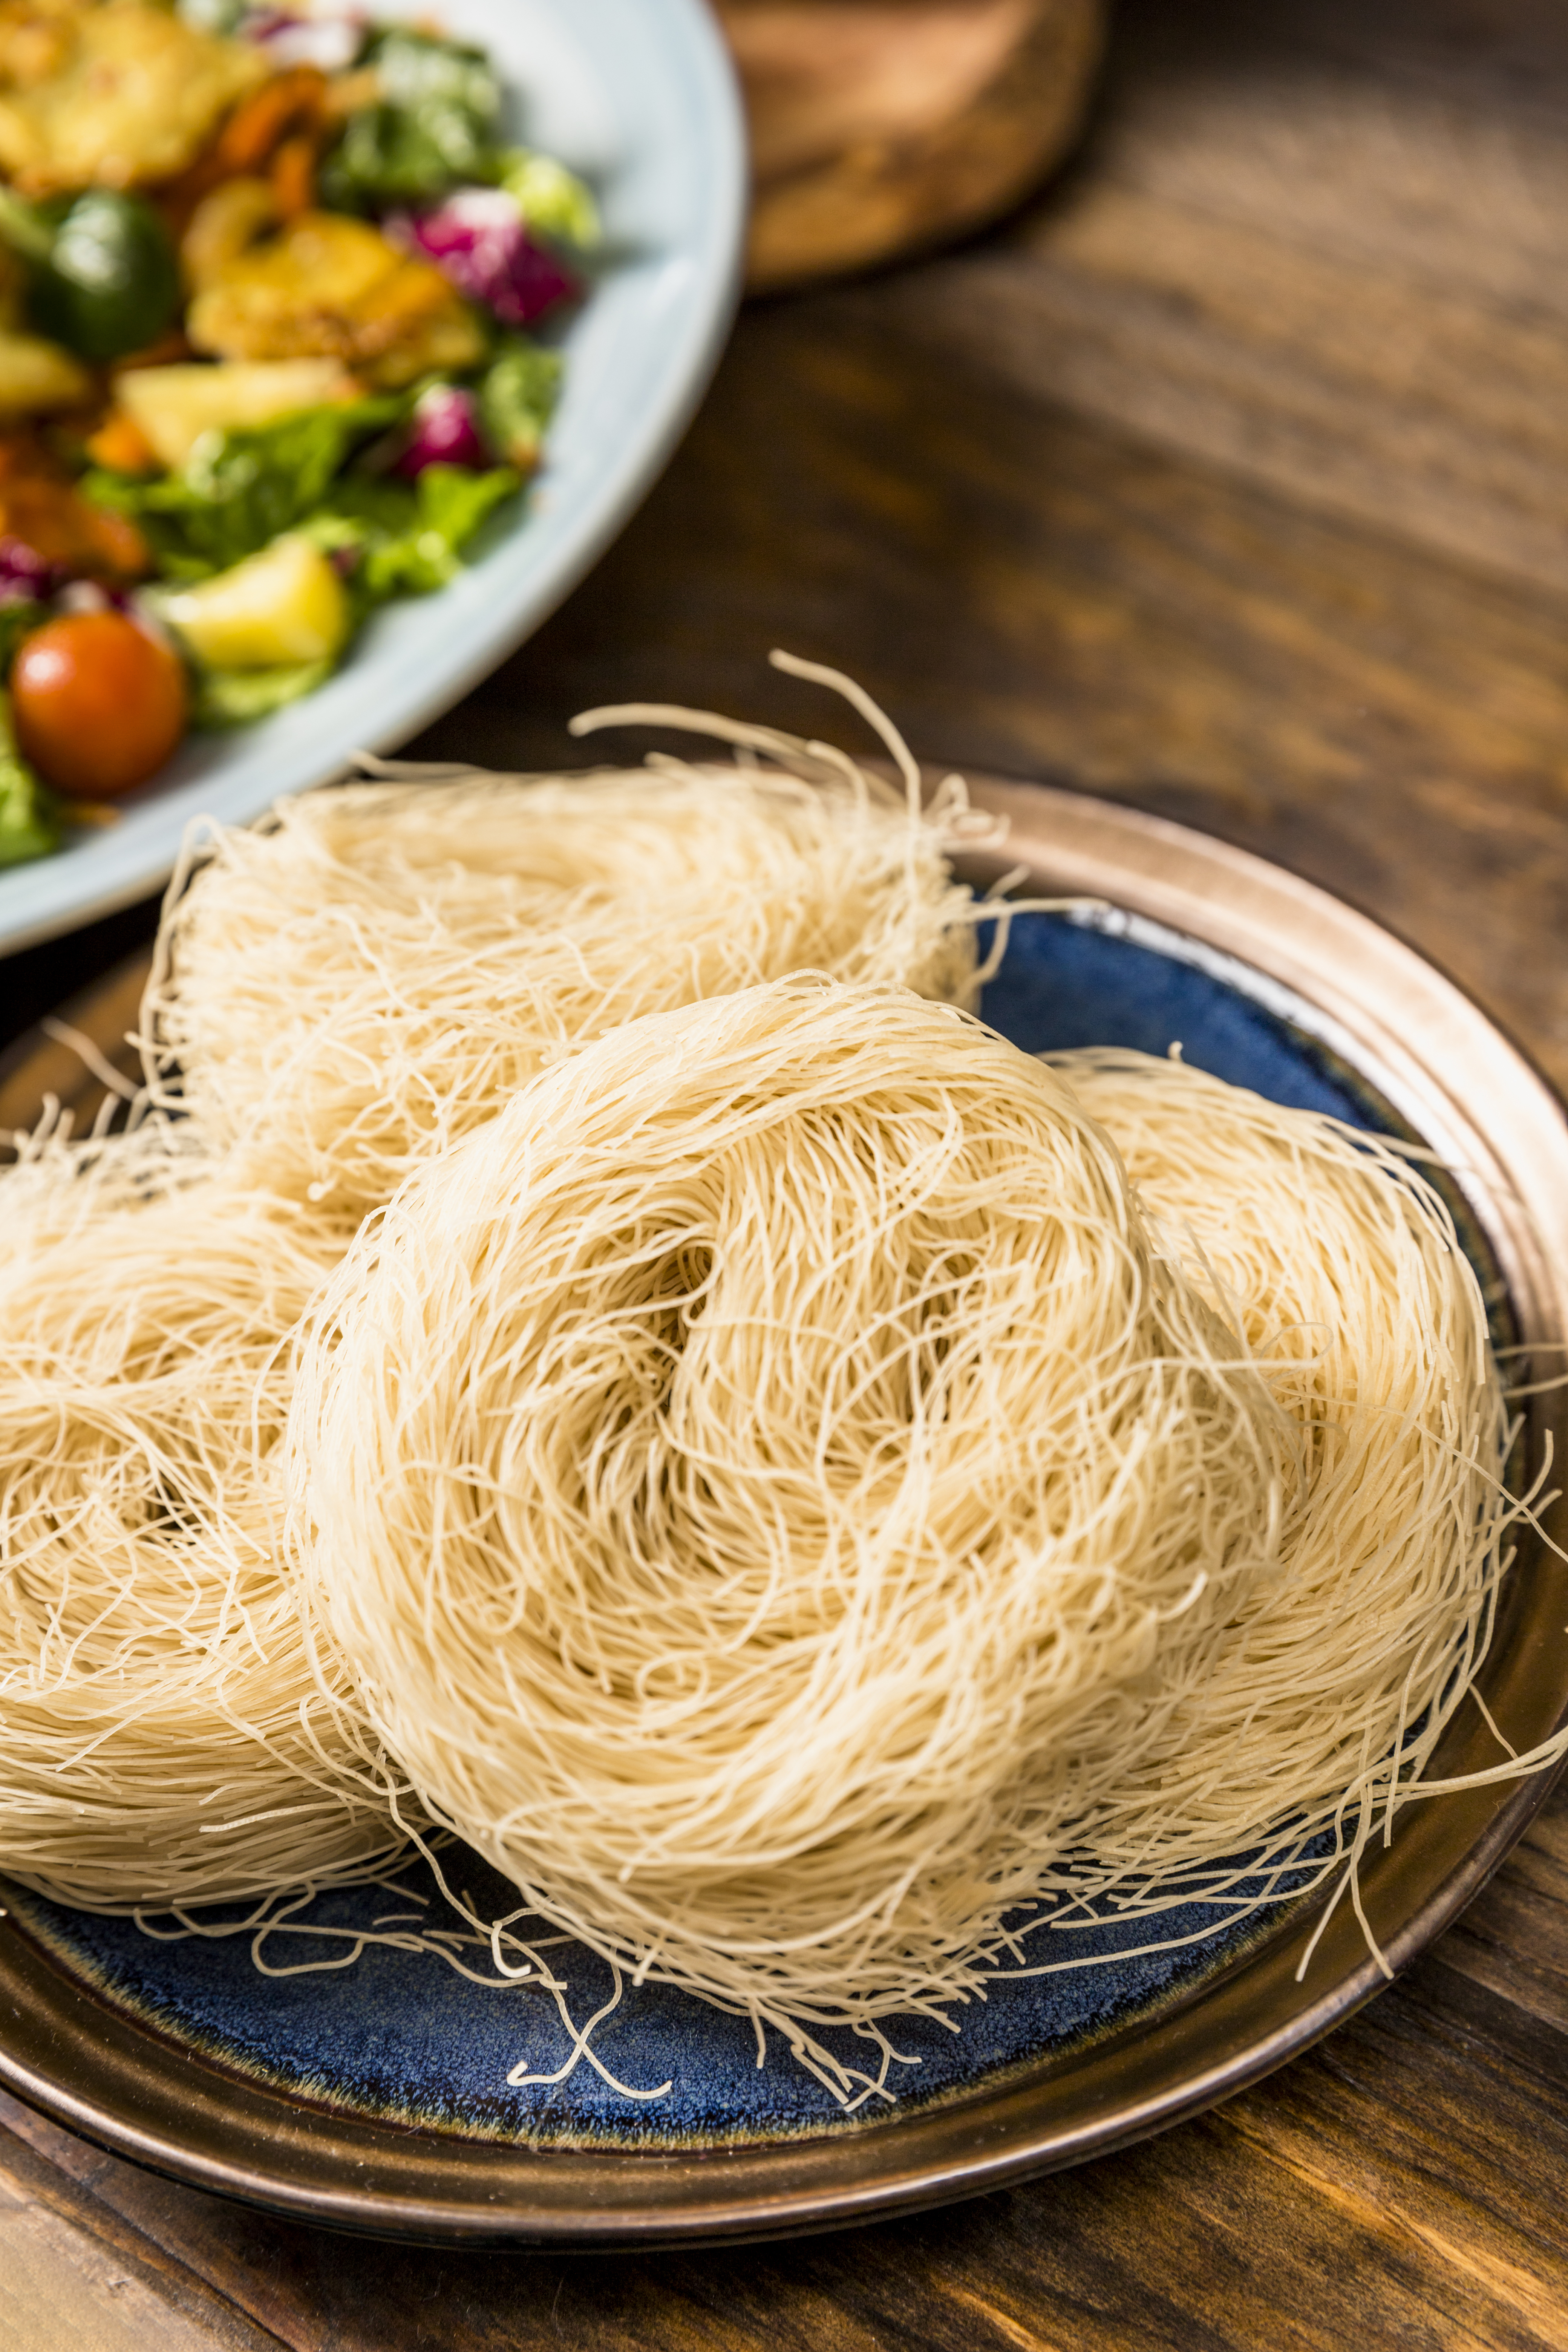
x,y
259,122
293,175
122,446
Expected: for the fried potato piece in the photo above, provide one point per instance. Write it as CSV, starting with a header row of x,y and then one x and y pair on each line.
x,y
119,95
330,286
223,228
35,40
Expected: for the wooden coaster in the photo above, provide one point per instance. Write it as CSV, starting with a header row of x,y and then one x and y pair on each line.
x,y
880,126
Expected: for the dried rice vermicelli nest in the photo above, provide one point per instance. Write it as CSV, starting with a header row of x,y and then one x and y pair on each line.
x,y
771,1493
344,991
163,1736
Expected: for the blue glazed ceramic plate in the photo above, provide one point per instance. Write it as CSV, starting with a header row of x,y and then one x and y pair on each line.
x,y
638,95
376,2095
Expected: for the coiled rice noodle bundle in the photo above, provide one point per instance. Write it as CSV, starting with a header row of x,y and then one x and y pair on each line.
x,y
345,991
776,1501
163,1737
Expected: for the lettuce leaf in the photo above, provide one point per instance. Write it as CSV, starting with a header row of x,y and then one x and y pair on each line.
x,y
554,201
233,697
518,393
408,538
18,619
450,504
238,489
32,822
434,125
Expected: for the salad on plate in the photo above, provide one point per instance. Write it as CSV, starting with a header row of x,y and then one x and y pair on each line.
x,y
271,288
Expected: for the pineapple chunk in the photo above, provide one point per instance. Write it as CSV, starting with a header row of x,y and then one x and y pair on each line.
x,y
174,406
286,604
36,375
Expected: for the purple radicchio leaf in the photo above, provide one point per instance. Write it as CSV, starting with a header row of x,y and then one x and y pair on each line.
x,y
478,240
443,431
331,43
26,576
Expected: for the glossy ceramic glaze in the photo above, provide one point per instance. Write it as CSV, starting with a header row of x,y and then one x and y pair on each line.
x,y
638,95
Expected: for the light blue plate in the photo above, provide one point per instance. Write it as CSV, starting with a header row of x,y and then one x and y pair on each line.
x,y
638,95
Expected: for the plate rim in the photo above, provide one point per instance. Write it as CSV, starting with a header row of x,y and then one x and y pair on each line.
x,y
250,2143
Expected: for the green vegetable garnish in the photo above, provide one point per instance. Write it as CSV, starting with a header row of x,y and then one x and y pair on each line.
x,y
104,278
222,16
233,697
19,620
450,503
237,490
434,126
552,200
517,398
31,822
408,538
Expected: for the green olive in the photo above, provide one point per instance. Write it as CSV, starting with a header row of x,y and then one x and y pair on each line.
x,y
104,280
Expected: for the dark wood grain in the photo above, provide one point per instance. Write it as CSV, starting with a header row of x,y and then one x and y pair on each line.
x,y
1232,480
1029,594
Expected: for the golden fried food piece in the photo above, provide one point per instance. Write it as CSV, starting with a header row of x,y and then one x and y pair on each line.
x,y
119,95
35,40
326,286
223,228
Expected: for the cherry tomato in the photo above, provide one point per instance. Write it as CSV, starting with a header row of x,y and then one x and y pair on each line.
x,y
98,703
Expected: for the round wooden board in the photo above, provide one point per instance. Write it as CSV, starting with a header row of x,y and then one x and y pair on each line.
x,y
883,127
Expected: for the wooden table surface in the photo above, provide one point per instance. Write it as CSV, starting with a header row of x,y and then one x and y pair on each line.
x,y
1231,480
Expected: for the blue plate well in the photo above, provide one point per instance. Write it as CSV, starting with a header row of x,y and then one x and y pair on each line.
x,y
399,2034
